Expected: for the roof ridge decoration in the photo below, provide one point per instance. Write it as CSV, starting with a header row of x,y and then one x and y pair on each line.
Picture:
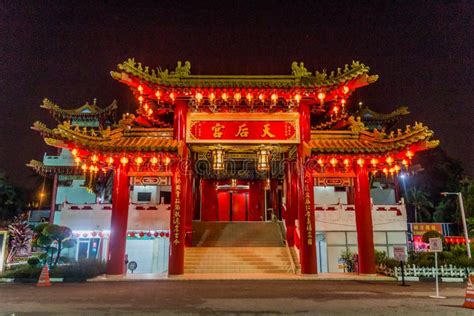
x,y
300,76
400,111
93,108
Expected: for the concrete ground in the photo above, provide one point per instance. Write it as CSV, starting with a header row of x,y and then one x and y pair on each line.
x,y
238,297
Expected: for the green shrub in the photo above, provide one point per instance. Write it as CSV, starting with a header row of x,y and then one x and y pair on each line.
x,y
380,256
33,261
430,234
390,263
24,271
79,271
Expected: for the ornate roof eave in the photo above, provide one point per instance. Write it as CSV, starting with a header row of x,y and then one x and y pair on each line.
x,y
85,111
356,72
360,141
45,170
370,115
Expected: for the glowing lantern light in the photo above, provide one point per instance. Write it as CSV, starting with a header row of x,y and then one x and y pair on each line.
x,y
249,97
84,167
109,160
405,162
335,109
389,160
396,168
172,96
124,160
261,97
360,162
96,169
346,162
158,94
74,152
263,159
94,158
167,161
237,97
145,106
343,102
154,160
392,171
218,159
345,89
321,162
140,89
385,171
139,160
198,97
333,162
409,154
274,97
92,168
224,96
212,97
321,96
77,160
150,112
374,162
297,98
140,99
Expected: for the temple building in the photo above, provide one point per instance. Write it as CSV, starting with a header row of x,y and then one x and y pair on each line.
x,y
231,174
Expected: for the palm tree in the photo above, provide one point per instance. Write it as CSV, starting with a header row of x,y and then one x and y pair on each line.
x,y
421,202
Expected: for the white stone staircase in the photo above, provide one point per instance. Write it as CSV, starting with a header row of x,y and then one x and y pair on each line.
x,y
239,247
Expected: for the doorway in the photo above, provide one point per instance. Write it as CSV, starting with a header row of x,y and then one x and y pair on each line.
x,y
232,206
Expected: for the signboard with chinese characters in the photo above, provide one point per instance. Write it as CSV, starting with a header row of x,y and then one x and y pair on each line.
x,y
418,229
151,181
243,128
334,181
436,245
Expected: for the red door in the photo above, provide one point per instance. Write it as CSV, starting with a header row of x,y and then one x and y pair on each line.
x,y
223,206
239,206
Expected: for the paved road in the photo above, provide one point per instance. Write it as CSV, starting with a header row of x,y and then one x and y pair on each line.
x,y
232,297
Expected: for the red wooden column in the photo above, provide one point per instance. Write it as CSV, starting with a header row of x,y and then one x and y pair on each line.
x,y
180,186
363,212
304,188
119,222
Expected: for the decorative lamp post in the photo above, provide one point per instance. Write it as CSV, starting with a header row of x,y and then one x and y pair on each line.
x,y
218,159
463,216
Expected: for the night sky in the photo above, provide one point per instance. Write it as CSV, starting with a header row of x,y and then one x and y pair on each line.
x,y
423,52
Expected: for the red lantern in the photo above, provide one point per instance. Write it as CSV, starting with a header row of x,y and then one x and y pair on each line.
x,y
167,235
101,234
94,234
148,234
156,234
141,234
132,234
162,234
85,235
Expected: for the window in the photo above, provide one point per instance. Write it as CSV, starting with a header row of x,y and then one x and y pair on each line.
x,y
340,189
144,197
166,196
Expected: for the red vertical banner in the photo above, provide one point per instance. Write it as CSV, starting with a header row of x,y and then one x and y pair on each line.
x,y
177,225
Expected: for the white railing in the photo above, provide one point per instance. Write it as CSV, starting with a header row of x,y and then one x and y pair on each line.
x,y
337,217
413,271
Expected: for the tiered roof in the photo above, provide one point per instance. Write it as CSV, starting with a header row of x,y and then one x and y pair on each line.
x,y
84,112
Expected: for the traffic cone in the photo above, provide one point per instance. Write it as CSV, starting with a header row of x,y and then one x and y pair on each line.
x,y
469,297
44,277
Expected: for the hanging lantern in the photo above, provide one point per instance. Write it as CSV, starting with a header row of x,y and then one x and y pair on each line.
x,y
124,160
140,89
212,96
167,161
94,158
109,160
297,98
333,162
154,160
140,99
346,162
218,159
263,159
397,169
345,89
321,96
172,96
198,97
385,171
405,162
84,167
150,112
335,109
249,97
409,154
224,97
138,160
261,97
274,97
74,152
360,162
321,162
343,103
392,171
91,168
389,160
374,162
77,160
158,94
237,97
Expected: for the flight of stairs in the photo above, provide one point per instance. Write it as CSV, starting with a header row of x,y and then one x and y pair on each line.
x,y
237,247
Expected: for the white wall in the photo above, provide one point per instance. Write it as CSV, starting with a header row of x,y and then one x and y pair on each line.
x,y
151,255
75,194
328,195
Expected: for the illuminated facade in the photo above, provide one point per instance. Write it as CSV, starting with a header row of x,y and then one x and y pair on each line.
x,y
216,148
